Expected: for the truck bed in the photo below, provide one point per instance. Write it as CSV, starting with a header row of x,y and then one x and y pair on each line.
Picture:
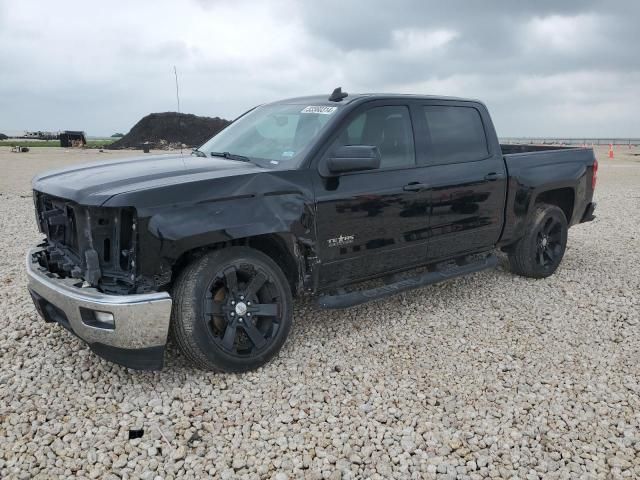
x,y
531,169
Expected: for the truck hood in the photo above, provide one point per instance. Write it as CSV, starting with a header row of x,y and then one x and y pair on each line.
x,y
95,183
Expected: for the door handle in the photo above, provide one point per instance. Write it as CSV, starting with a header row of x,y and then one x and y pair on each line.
x,y
415,187
494,176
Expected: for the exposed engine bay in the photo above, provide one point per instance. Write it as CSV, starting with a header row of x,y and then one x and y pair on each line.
x,y
95,245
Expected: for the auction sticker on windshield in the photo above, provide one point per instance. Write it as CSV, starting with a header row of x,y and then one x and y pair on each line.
x,y
322,110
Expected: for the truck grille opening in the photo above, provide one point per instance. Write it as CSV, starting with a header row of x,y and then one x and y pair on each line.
x,y
95,244
126,238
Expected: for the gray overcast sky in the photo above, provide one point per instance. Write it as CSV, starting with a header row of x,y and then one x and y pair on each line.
x,y
550,68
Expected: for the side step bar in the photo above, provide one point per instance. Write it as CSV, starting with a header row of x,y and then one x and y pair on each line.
x,y
351,299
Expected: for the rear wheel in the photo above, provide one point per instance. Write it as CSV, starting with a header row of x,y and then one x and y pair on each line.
x,y
232,310
539,252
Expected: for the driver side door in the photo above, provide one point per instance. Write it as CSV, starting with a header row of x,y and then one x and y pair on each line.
x,y
376,221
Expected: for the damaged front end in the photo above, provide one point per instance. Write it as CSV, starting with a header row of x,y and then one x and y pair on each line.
x,y
83,277
96,245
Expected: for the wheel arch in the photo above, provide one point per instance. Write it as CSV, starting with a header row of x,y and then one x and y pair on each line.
x,y
518,217
282,248
563,198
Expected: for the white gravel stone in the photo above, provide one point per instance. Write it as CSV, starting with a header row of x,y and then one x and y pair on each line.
x,y
490,375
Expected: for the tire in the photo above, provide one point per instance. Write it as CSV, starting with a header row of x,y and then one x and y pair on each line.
x,y
232,310
539,252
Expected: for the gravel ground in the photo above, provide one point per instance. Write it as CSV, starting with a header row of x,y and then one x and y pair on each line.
x,y
488,375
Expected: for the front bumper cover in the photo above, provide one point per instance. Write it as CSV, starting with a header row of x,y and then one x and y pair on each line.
x,y
141,321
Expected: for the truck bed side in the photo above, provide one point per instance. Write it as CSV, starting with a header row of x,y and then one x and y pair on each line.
x,y
560,176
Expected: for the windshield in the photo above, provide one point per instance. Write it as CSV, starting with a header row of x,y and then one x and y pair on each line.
x,y
275,136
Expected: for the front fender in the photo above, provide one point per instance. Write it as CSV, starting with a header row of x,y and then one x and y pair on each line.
x,y
167,235
186,215
188,227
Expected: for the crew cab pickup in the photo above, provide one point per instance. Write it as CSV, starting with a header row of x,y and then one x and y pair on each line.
x,y
302,196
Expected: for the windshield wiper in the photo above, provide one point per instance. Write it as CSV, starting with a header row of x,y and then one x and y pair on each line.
x,y
231,156
198,153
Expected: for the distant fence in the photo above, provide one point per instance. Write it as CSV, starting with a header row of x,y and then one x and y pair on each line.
x,y
571,141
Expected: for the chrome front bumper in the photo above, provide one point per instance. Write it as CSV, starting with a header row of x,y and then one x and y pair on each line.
x,y
138,335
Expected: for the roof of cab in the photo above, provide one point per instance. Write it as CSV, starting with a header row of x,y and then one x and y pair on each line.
x,y
324,99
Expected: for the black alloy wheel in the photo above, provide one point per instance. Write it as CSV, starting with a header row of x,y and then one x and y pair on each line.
x,y
232,310
549,242
538,253
243,309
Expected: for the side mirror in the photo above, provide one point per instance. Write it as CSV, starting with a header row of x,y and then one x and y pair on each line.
x,y
353,158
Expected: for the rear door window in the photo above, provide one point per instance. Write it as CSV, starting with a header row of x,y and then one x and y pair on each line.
x,y
455,134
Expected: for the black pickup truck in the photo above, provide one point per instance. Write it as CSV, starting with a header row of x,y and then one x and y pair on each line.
x,y
302,196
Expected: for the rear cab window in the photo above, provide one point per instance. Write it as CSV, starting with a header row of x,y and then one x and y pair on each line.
x,y
455,134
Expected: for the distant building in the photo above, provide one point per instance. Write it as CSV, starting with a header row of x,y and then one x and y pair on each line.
x,y
71,138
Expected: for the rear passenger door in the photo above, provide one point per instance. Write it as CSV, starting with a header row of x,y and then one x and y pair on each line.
x,y
467,178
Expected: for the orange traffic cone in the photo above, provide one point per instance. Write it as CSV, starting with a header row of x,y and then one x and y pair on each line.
x,y
610,151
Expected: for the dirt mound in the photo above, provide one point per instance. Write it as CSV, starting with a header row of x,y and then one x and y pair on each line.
x,y
167,129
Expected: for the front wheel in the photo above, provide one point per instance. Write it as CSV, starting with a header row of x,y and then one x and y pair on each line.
x,y
232,310
539,252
